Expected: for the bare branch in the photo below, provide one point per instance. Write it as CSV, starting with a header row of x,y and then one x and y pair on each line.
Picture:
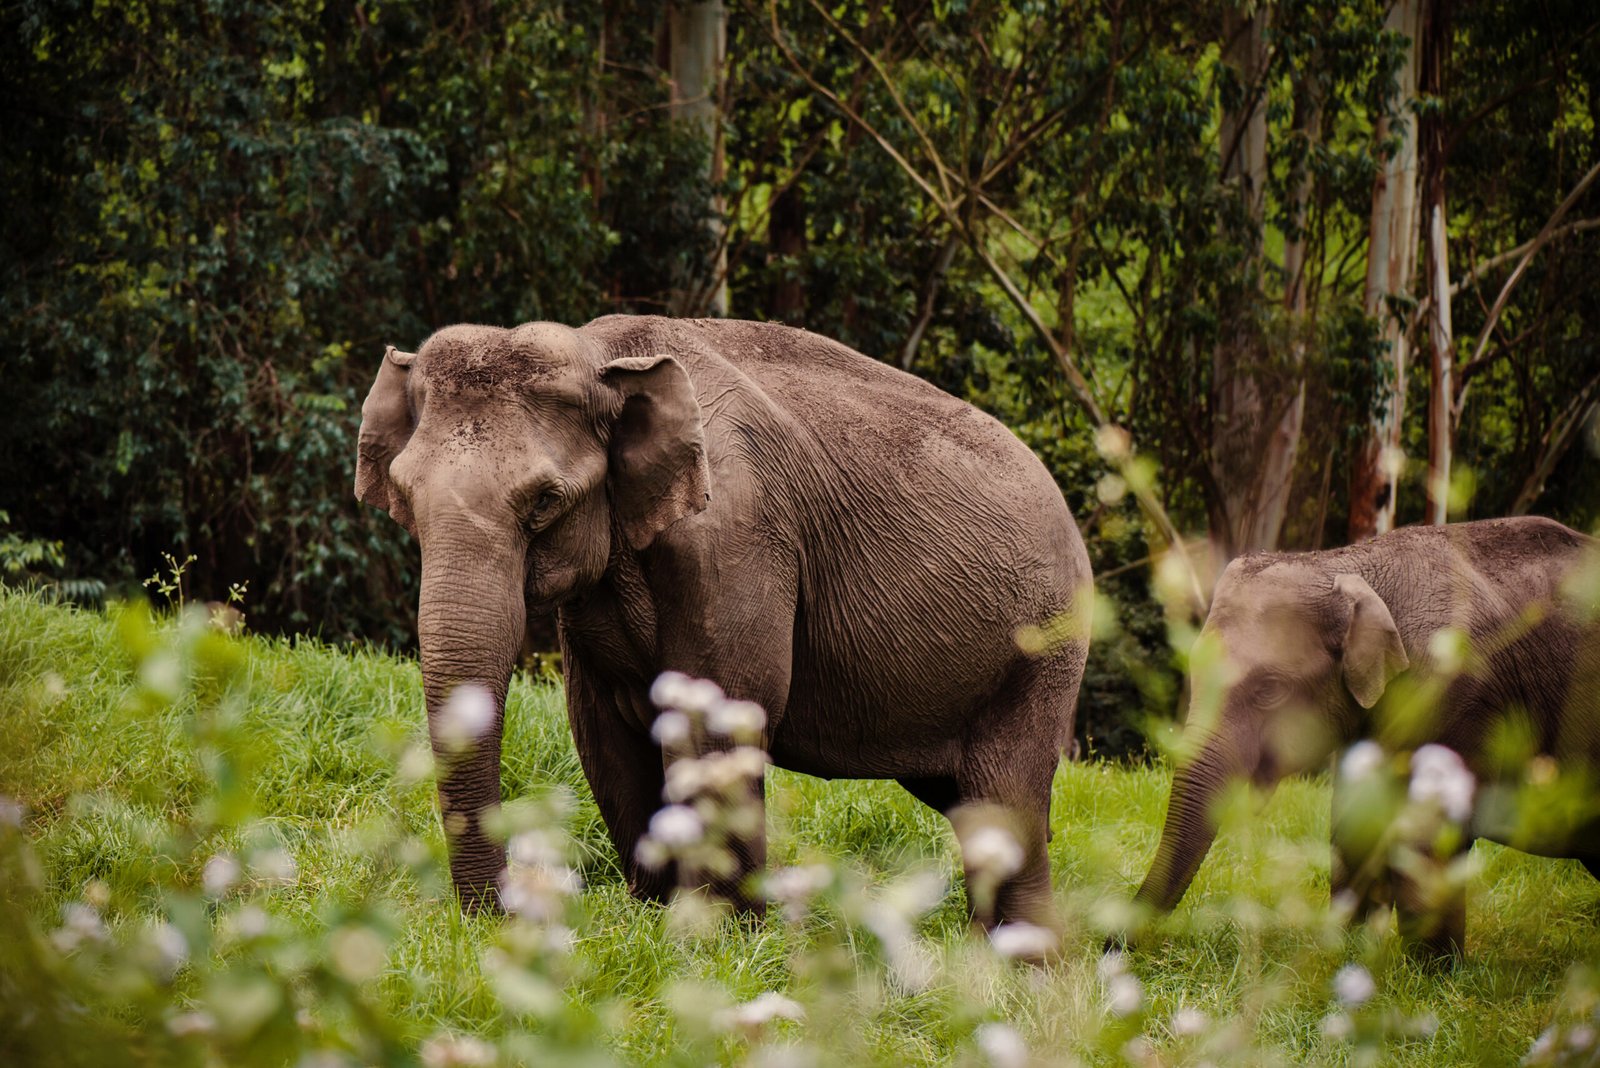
x,y
1543,238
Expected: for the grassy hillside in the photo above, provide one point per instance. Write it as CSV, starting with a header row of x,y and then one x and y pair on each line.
x,y
141,750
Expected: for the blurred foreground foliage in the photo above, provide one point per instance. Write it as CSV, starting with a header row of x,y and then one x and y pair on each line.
x,y
221,212
217,850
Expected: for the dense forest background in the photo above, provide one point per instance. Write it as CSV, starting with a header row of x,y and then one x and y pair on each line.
x,y
1328,265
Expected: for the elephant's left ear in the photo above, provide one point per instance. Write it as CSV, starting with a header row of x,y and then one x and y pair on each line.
x,y
1373,653
385,429
659,472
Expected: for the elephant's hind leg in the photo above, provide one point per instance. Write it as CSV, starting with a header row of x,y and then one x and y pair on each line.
x,y
938,792
1006,777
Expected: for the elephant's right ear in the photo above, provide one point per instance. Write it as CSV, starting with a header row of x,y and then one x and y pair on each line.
x,y
385,428
1373,653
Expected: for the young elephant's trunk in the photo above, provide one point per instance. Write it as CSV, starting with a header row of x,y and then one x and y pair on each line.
x,y
1191,824
470,621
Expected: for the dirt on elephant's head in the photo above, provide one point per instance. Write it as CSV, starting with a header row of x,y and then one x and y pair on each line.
x,y
470,357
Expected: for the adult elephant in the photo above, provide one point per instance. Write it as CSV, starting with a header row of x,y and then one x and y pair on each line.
x,y
1299,649
749,503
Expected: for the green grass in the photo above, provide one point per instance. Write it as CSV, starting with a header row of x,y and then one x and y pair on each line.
x,y
126,799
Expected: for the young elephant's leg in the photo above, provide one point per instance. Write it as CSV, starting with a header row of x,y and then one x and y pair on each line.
x,y
1358,869
1432,922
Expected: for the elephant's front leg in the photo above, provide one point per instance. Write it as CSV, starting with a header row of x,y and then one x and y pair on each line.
x,y
624,771
730,802
735,628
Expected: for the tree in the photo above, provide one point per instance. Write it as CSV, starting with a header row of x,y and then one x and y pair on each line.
x,y
1391,255
697,34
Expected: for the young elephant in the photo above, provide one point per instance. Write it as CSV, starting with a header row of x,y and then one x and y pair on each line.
x,y
1305,644
814,531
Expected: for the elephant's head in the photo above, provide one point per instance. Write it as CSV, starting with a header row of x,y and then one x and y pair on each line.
x,y
1290,656
517,458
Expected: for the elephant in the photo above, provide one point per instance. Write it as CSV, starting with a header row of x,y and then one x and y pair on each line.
x,y
835,540
1304,646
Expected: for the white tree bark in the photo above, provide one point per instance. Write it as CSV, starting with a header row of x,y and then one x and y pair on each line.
x,y
697,32
1391,256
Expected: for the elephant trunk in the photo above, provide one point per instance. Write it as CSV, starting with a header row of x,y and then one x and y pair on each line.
x,y
470,622
1191,824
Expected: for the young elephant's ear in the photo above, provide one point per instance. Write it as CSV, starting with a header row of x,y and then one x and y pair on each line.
x,y
658,451
385,429
1373,653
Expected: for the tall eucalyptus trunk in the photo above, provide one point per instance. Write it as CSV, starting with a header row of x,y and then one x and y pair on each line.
x,y
697,42
1391,255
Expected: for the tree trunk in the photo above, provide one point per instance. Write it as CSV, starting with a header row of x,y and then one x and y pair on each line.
x,y
1256,407
786,234
1441,343
1391,254
697,32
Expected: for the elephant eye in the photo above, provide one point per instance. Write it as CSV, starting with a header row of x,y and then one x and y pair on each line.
x,y
542,505
1271,691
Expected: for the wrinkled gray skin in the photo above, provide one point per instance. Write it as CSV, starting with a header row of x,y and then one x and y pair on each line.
x,y
1312,640
749,503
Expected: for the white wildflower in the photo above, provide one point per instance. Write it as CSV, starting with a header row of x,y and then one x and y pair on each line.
x,y
992,851
538,891
1448,648
911,967
219,874
1361,760
466,716
538,848
416,764
1114,443
457,1051
1111,965
1023,941
1581,1037
1439,776
1187,1022
1338,1026
1137,1050
686,779
191,1023
1542,1047
794,888
79,924
756,1013
170,949
275,866
916,894
673,689
251,922
737,719
1353,985
671,729
357,953
1124,994
11,812
668,689
1002,1045
677,825
748,762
